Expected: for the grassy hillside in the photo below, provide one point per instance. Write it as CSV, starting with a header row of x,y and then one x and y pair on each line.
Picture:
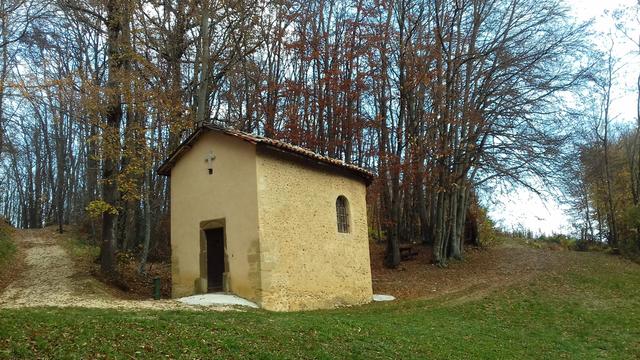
x,y
7,247
590,310
10,264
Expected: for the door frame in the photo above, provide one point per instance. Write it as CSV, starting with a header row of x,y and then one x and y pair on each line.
x,y
203,287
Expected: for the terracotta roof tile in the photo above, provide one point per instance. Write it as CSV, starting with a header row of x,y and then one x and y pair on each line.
x,y
165,168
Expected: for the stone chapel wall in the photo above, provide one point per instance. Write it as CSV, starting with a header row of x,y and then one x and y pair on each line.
x,y
305,262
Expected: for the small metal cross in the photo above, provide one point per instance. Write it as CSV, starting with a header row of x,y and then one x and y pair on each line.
x,y
209,159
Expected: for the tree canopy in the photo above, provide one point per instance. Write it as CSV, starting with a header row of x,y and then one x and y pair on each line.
x,y
439,98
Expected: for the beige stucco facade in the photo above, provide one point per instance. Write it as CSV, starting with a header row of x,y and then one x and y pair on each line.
x,y
282,246
226,198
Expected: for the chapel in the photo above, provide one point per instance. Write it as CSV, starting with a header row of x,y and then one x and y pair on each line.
x,y
268,221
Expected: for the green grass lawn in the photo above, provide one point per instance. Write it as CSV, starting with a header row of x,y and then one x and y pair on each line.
x,y
591,311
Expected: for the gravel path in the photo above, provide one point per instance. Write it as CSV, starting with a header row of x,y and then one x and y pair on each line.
x,y
50,279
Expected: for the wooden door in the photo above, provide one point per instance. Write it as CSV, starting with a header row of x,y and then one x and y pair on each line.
x,y
215,258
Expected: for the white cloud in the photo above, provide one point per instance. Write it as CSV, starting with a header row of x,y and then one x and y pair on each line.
x,y
523,209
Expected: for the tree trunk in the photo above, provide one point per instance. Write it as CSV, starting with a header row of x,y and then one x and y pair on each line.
x,y
147,224
116,15
203,87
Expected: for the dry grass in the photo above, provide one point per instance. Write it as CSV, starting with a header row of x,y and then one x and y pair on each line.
x,y
11,257
127,283
481,270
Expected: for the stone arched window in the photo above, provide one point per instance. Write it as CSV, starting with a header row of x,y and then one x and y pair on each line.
x,y
342,211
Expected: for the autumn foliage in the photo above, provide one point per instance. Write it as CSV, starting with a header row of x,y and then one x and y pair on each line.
x,y
439,98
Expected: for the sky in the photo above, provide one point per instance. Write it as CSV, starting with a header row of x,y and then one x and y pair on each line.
x,y
522,209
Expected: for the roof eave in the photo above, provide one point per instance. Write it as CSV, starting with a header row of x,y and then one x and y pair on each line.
x,y
359,173
167,165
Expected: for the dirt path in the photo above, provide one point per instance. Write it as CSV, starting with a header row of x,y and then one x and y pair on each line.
x,y
481,272
51,279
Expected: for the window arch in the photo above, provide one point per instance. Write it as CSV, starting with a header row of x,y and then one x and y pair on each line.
x,y
342,211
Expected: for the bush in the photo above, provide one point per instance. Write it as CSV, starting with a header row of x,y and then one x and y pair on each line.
x,y
479,229
631,217
581,245
535,244
567,243
378,237
487,231
559,240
